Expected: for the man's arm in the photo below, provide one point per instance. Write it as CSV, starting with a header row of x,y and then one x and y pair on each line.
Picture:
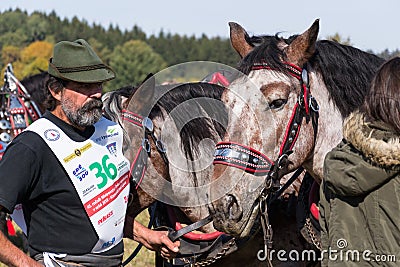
x,y
12,255
151,239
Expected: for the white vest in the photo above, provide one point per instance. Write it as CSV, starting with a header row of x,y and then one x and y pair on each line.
x,y
99,173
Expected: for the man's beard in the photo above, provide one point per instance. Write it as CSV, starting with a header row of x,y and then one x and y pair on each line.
x,y
87,115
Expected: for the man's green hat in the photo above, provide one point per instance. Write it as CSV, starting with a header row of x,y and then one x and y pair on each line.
x,y
76,61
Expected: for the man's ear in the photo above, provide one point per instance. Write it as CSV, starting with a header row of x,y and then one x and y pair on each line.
x,y
56,95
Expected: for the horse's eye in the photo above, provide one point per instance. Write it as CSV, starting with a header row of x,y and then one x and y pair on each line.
x,y
276,104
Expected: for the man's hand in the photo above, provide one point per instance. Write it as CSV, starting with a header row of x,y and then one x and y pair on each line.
x,y
151,239
159,241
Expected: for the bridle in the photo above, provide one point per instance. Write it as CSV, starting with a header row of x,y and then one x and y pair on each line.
x,y
255,162
139,164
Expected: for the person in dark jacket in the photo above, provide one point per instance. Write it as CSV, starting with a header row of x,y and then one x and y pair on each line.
x,y
360,194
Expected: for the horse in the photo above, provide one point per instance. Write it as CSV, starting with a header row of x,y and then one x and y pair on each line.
x,y
35,85
189,170
286,114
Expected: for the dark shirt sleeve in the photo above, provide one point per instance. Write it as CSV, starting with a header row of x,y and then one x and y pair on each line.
x,y
17,172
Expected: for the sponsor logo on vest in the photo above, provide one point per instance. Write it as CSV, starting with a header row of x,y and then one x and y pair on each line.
x,y
52,134
110,133
88,190
77,152
112,148
105,218
119,221
122,165
108,243
80,172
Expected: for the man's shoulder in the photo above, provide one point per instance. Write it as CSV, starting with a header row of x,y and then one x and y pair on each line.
x,y
29,140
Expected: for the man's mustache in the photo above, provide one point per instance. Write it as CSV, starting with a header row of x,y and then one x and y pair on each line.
x,y
92,104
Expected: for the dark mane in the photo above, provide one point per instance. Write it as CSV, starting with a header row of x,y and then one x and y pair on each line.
x,y
346,70
193,130
35,84
265,50
112,102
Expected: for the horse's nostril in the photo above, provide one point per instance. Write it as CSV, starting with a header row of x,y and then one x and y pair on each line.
x,y
233,208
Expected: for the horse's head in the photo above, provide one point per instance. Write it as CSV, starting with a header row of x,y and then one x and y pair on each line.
x,y
131,107
272,127
275,123
186,122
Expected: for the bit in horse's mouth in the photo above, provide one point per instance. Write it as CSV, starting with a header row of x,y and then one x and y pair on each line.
x,y
247,227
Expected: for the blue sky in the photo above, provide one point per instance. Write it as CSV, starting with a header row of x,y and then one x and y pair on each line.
x,y
369,24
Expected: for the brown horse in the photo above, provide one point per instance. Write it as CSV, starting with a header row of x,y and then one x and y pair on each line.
x,y
182,180
287,113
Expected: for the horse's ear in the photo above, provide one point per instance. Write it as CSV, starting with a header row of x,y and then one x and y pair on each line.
x,y
303,47
142,100
238,39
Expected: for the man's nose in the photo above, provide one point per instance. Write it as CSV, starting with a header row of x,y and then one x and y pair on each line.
x,y
96,91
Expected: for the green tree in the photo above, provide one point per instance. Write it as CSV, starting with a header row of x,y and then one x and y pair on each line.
x,y
337,38
11,21
37,27
101,49
132,62
17,38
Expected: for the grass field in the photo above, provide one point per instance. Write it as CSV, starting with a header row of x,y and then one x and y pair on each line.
x,y
145,258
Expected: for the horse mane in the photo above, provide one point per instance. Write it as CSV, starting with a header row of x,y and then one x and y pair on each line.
x,y
194,130
191,131
35,85
112,102
347,71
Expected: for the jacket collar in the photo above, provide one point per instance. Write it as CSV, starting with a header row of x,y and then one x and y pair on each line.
x,y
375,140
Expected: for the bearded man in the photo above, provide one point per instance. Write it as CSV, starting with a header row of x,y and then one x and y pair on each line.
x,y
59,168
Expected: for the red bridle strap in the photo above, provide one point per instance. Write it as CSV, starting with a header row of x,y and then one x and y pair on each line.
x,y
132,117
139,164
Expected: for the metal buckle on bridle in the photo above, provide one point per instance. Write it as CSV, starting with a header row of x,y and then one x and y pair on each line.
x,y
148,127
283,160
146,145
148,130
313,104
304,77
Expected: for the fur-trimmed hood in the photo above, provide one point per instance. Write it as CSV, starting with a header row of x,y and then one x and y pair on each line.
x,y
375,140
359,197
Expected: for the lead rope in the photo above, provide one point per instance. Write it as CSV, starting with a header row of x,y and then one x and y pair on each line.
x,y
267,231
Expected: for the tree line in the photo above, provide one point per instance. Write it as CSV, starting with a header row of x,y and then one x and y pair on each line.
x,y
26,41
